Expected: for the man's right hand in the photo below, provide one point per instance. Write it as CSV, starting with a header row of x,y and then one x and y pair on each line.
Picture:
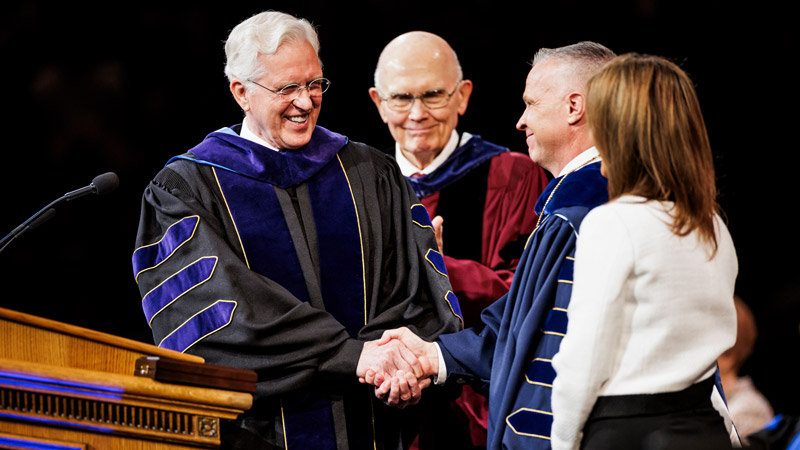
x,y
405,388
425,351
382,361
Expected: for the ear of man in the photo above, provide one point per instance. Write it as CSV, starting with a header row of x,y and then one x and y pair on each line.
x,y
577,107
376,98
239,91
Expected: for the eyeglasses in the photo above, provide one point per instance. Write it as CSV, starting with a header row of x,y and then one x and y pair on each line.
x,y
435,99
290,92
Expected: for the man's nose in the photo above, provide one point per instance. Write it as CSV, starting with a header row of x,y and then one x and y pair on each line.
x,y
418,110
521,125
303,100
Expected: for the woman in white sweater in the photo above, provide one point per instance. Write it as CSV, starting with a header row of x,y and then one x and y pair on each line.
x,y
652,302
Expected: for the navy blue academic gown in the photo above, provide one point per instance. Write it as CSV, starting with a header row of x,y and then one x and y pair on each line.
x,y
511,357
284,263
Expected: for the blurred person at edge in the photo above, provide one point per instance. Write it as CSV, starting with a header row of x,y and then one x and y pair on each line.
x,y
749,409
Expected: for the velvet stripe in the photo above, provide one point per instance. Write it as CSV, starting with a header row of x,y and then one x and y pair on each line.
x,y
452,300
205,322
176,285
529,422
459,164
342,285
255,209
150,256
566,270
541,371
436,260
556,322
339,240
419,215
308,419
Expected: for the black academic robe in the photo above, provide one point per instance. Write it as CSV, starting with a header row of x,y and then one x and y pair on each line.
x,y
284,263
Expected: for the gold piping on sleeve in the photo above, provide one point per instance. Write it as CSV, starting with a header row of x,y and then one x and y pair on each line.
x,y
235,304
434,265
451,307
529,381
527,434
417,223
216,260
553,333
136,278
235,228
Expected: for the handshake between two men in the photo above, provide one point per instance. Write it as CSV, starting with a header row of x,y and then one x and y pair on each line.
x,y
400,365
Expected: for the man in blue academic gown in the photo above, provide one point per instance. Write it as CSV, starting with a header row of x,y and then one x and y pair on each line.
x,y
510,358
279,246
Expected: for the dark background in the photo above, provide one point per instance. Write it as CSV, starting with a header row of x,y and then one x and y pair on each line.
x,y
122,89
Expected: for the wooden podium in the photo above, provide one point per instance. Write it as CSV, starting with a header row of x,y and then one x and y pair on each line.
x,y
67,387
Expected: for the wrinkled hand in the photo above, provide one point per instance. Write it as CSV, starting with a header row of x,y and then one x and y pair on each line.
x,y
381,362
425,351
437,223
394,370
404,388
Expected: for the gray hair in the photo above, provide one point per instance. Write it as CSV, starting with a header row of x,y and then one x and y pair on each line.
x,y
263,34
585,58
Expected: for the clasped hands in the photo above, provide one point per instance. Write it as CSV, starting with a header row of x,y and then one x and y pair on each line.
x,y
399,365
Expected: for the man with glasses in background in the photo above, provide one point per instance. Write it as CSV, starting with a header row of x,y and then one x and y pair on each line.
x,y
279,246
484,193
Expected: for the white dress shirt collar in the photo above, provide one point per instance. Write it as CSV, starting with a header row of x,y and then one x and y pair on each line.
x,y
580,160
408,169
250,136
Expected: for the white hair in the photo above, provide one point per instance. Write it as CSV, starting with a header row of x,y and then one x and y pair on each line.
x,y
262,34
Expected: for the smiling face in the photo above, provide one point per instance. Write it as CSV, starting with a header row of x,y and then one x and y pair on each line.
x,y
282,122
414,64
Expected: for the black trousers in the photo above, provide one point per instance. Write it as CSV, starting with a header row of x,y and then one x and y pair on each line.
x,y
682,420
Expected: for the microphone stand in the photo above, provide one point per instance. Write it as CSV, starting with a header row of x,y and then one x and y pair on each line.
x,y
100,185
44,214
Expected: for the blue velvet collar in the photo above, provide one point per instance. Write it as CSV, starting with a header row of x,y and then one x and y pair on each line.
x,y
227,150
583,187
461,162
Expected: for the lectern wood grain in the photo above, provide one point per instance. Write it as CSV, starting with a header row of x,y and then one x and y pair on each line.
x,y
68,387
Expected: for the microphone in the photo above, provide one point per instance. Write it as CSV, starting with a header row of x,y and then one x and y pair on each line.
x,y
100,185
